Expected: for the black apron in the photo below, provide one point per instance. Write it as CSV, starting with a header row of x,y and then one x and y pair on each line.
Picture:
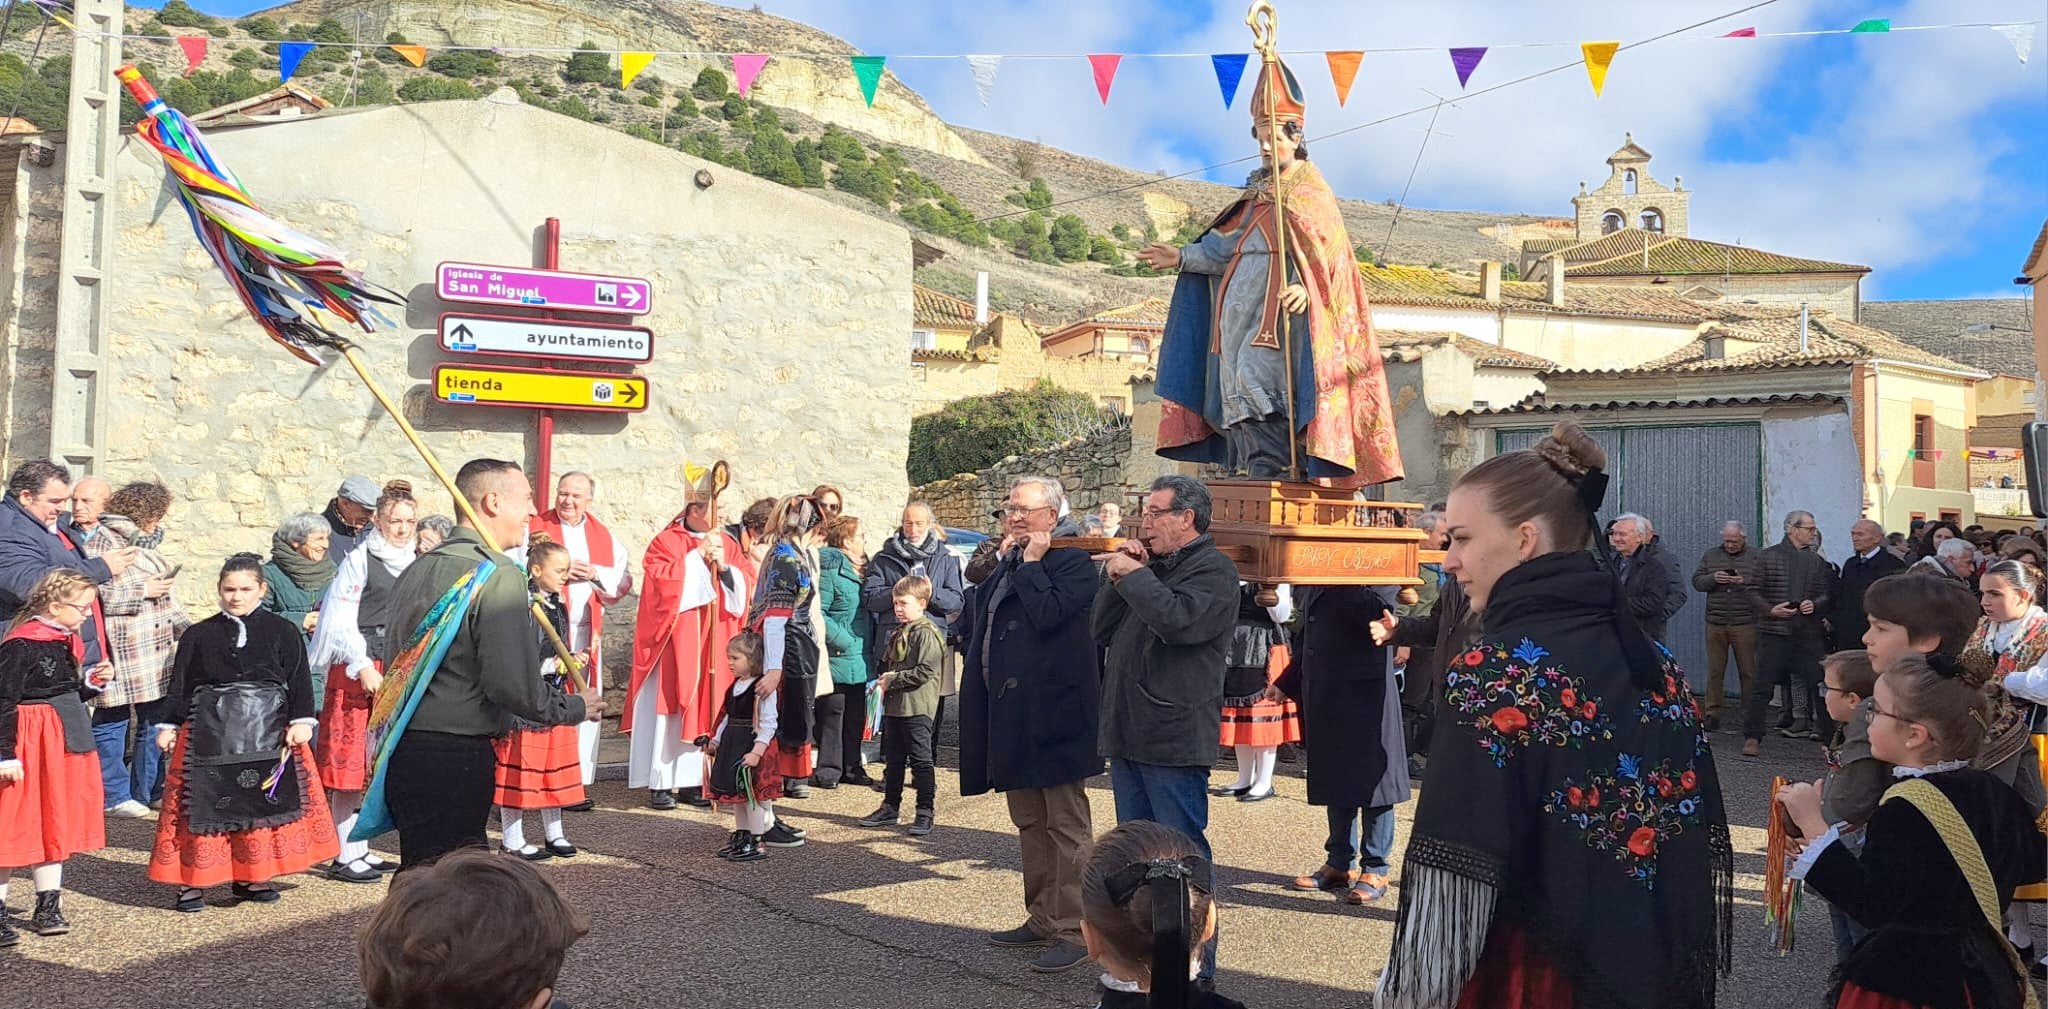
x,y
234,745
733,744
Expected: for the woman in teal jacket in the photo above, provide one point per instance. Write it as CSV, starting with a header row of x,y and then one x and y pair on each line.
x,y
849,633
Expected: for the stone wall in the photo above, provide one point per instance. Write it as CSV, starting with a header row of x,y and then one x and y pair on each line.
x,y
1093,469
779,323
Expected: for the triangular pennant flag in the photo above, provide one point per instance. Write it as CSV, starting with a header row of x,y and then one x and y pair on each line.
x,y
869,70
1343,70
1598,56
195,50
1464,60
1229,73
630,65
746,67
2021,37
1872,25
984,70
1104,65
415,55
1741,33
288,56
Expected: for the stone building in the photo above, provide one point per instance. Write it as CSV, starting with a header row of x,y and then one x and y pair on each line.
x,y
1631,198
1129,334
794,375
1008,353
942,322
1992,335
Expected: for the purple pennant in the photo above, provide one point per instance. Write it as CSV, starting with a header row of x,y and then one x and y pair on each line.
x,y
1465,59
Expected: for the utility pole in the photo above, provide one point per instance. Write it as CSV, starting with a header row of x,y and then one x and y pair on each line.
x,y
78,387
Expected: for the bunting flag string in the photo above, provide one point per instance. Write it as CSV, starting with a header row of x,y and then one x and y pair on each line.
x,y
1464,60
984,70
1741,33
415,55
1343,70
868,70
746,67
1104,66
2022,39
195,51
1872,25
1598,56
1229,73
630,65
288,56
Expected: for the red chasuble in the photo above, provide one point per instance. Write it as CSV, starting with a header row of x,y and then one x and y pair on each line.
x,y
683,654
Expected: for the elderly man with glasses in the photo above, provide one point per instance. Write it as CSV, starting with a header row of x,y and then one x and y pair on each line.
x,y
1794,586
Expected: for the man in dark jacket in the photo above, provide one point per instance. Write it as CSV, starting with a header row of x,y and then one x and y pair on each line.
x,y
441,777
1791,598
348,514
1645,577
34,541
1870,563
916,549
1728,577
1028,709
1165,617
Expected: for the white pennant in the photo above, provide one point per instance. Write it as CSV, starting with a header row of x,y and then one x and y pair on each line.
x,y
984,68
2021,37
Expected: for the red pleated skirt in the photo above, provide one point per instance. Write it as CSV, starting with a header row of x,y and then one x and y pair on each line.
x,y
57,809
1264,724
1513,975
1854,997
343,745
767,778
182,858
539,768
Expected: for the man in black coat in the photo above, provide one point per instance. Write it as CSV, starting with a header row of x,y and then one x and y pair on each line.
x,y
1871,562
1351,723
1645,576
35,540
1028,711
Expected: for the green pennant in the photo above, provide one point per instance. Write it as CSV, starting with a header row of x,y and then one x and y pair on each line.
x,y
1872,25
869,70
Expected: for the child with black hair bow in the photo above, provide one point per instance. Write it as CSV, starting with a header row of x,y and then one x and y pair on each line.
x,y
1146,912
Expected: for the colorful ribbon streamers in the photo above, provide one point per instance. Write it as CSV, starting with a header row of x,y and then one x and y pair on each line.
x,y
1782,895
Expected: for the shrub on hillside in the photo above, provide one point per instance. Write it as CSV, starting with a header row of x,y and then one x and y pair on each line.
x,y
977,432
434,89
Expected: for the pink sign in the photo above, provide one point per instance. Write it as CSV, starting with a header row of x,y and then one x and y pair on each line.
x,y
479,284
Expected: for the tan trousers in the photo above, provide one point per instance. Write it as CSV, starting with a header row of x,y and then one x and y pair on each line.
x,y
1054,828
1720,639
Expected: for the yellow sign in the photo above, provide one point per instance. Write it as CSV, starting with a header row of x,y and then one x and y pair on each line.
x,y
535,388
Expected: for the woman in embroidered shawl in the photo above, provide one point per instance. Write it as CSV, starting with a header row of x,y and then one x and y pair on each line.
x,y
2012,641
1571,850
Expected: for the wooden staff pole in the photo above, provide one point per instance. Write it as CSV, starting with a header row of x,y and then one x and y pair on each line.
x,y
1264,22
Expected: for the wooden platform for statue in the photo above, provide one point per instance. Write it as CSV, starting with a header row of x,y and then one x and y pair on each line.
x,y
1303,534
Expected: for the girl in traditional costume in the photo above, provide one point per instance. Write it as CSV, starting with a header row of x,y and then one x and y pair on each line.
x,y
1146,912
786,616
2016,637
349,644
2012,636
539,766
745,773
1252,725
1571,850
241,802
1941,856
50,792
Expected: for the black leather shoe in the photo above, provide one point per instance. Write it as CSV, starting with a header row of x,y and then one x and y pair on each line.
x,y
191,900
49,917
1256,796
734,843
347,873
266,895
796,790
662,799
817,782
8,936
1229,791
693,798
749,850
562,848
582,807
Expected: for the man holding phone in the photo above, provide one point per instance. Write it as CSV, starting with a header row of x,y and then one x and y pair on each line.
x,y
1727,577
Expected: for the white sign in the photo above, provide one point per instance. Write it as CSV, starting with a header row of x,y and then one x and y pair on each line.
x,y
462,333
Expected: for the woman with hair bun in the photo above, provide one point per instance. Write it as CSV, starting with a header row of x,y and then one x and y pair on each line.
x,y
787,615
2012,636
1571,849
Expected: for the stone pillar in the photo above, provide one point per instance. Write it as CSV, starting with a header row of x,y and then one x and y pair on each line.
x,y
78,414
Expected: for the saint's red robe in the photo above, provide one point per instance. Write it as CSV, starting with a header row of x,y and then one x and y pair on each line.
x,y
683,653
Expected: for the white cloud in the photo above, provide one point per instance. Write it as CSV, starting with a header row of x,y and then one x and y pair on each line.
x,y
1888,160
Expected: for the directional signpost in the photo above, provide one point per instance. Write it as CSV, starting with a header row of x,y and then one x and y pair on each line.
x,y
522,287
534,388
465,333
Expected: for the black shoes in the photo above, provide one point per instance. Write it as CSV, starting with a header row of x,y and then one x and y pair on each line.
x,y
1256,796
692,797
795,790
264,895
817,782
747,848
734,843
1018,937
1228,791
781,836
531,853
582,807
886,816
856,778
350,874
1799,730
921,824
561,848
1063,956
8,936
49,917
661,799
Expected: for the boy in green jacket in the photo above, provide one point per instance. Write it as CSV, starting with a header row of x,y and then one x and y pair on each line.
x,y
910,698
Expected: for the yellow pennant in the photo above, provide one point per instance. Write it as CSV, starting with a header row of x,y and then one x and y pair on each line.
x,y
630,65
415,55
1598,56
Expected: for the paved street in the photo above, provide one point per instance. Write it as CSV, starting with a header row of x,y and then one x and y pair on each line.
x,y
858,918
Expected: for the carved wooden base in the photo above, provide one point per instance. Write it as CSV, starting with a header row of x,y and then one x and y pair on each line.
x,y
1304,534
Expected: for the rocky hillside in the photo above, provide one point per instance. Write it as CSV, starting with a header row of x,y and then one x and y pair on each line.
x,y
804,124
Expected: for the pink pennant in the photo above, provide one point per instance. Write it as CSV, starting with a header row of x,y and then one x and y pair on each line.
x,y
1104,65
745,66
1741,33
195,50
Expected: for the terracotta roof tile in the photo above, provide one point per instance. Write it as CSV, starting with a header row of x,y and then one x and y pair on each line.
x,y
1150,312
1487,355
1416,287
1771,343
1698,257
940,311
1622,242
1536,403
1942,327
1409,345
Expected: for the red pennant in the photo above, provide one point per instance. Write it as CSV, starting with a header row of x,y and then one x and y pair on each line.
x,y
1104,65
1741,33
195,50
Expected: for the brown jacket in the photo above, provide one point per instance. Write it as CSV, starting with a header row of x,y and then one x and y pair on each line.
x,y
1729,605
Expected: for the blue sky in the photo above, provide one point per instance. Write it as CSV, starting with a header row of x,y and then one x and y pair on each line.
x,y
1921,154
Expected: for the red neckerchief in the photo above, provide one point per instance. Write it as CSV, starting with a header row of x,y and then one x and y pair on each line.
x,y
38,629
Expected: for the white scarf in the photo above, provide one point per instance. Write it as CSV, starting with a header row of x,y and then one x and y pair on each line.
x,y
337,641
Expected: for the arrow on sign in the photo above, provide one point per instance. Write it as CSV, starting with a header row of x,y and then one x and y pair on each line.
x,y
631,296
629,394
460,334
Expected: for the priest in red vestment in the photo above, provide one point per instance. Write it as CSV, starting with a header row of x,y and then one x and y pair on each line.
x,y
693,601
598,577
